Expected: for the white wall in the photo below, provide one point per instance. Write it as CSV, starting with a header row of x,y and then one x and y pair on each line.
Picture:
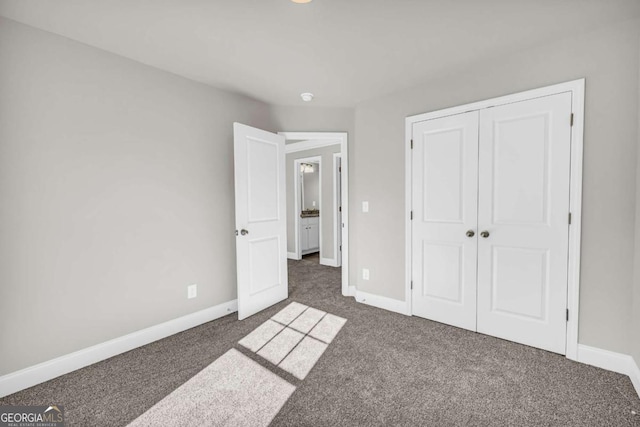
x,y
608,59
116,190
306,118
635,332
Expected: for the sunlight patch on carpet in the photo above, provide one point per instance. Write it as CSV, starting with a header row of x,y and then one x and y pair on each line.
x,y
295,338
232,391
261,335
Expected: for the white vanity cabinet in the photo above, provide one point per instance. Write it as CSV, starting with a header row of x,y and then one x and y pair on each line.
x,y
310,234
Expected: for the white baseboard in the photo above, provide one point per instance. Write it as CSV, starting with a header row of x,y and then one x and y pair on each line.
x,y
611,361
381,302
53,368
331,262
634,375
292,255
351,291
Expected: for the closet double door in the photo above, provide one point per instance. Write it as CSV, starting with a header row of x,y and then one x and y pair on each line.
x,y
490,200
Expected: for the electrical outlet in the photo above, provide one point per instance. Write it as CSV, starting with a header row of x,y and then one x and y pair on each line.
x,y
365,206
192,291
365,274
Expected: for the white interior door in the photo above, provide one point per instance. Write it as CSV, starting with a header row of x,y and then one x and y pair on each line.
x,y
523,221
260,219
444,243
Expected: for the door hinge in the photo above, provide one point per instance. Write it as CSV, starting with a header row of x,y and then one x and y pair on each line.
x,y
567,314
339,168
412,144
569,218
411,215
412,284
571,119
340,209
341,247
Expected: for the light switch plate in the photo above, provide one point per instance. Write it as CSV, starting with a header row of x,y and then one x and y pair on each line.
x,y
365,206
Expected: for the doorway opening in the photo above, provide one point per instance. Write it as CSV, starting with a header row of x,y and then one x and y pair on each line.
x,y
317,199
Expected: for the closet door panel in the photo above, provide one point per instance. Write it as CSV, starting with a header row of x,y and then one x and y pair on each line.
x,y
524,162
444,187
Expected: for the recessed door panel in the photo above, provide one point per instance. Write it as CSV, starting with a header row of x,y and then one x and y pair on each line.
x,y
314,234
520,178
264,265
444,192
519,282
523,206
262,173
443,275
443,175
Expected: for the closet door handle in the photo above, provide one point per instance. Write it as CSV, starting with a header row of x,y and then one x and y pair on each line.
x,y
485,234
470,233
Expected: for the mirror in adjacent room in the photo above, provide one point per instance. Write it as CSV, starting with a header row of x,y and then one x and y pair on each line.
x,y
309,173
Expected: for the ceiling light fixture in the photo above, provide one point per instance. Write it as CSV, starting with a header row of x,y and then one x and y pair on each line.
x,y
301,1
306,97
306,167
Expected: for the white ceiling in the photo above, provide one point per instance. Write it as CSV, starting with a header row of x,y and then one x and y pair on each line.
x,y
344,51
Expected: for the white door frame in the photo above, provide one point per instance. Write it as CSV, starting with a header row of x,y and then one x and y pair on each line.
x,y
297,201
311,140
576,88
336,209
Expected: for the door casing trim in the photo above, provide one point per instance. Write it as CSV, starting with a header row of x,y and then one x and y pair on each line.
x,y
577,89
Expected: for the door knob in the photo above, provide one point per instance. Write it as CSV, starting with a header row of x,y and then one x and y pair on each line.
x,y
244,232
470,233
485,234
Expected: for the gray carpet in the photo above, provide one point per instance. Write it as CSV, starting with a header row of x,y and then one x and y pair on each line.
x,y
381,369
